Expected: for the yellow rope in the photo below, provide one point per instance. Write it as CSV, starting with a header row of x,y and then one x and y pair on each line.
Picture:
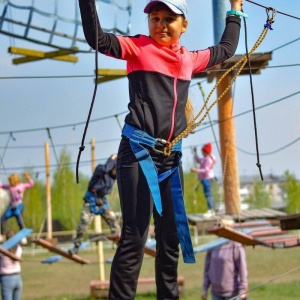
x,y
190,128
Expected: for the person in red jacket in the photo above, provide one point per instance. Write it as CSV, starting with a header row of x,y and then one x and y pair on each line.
x,y
15,208
149,174
206,175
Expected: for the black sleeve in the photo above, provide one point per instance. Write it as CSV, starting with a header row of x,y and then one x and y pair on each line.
x,y
107,42
228,44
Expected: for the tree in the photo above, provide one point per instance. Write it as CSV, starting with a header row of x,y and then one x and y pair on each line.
x,y
259,196
35,206
292,191
67,194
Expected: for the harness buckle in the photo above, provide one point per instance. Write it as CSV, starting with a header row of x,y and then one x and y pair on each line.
x,y
271,12
163,143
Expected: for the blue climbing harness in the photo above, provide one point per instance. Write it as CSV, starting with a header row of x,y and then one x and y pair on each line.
x,y
137,140
96,207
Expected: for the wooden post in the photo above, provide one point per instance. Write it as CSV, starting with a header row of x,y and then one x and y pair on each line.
x,y
98,224
231,182
48,193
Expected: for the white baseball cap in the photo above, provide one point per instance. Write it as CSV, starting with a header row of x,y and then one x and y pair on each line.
x,y
177,6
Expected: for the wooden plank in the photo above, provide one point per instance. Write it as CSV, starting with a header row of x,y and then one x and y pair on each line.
x,y
59,251
229,233
55,258
34,55
290,222
9,254
254,223
283,242
267,232
16,238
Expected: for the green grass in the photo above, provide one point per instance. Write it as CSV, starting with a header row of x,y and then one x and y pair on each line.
x,y
67,280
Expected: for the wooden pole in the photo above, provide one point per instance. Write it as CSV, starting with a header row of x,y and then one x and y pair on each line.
x,y
48,193
231,182
98,224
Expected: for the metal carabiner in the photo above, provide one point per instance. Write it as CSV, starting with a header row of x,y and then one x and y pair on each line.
x,y
271,17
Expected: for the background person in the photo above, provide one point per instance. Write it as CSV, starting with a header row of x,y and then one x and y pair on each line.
x,y
206,175
225,270
159,71
10,273
96,202
15,208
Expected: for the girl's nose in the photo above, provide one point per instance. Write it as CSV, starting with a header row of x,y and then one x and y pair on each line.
x,y
162,23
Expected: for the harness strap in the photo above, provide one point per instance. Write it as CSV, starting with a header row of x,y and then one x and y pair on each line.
x,y
138,138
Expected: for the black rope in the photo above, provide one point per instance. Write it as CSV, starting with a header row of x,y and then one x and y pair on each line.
x,y
52,144
253,102
81,148
279,12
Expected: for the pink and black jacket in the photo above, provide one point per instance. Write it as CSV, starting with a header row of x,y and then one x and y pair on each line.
x,y
159,77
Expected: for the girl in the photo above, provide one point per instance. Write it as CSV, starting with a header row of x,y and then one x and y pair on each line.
x,y
206,175
10,273
159,71
15,208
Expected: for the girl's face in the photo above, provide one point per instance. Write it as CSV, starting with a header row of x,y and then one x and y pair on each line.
x,y
165,27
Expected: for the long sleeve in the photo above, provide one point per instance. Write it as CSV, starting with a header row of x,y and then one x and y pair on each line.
x,y
205,171
241,265
206,279
228,44
107,42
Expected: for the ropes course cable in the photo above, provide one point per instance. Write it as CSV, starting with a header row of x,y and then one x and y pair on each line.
x,y
279,12
267,282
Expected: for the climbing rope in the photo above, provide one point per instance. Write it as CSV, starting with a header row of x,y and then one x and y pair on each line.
x,y
242,62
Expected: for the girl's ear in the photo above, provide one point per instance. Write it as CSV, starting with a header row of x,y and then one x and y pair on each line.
x,y
184,25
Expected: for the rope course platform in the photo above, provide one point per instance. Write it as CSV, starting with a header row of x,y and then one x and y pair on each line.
x,y
57,24
53,248
258,61
267,235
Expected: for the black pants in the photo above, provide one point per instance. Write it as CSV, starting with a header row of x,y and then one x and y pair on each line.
x,y
137,208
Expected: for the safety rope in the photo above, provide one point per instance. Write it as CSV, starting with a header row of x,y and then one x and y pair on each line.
x,y
242,62
82,146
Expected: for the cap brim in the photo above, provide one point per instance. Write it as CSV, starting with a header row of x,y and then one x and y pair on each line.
x,y
149,6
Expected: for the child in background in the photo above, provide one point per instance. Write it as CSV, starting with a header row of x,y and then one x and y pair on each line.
x,y
159,71
95,201
226,271
206,175
10,273
15,208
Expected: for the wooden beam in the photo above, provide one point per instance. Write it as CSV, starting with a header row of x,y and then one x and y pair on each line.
x,y
34,55
9,254
229,233
110,74
59,251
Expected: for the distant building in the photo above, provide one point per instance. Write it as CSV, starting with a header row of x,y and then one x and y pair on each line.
x,y
273,185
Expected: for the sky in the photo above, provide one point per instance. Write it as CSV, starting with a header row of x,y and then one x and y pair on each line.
x,y
57,95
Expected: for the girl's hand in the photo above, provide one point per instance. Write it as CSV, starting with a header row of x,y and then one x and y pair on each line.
x,y
236,4
27,176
